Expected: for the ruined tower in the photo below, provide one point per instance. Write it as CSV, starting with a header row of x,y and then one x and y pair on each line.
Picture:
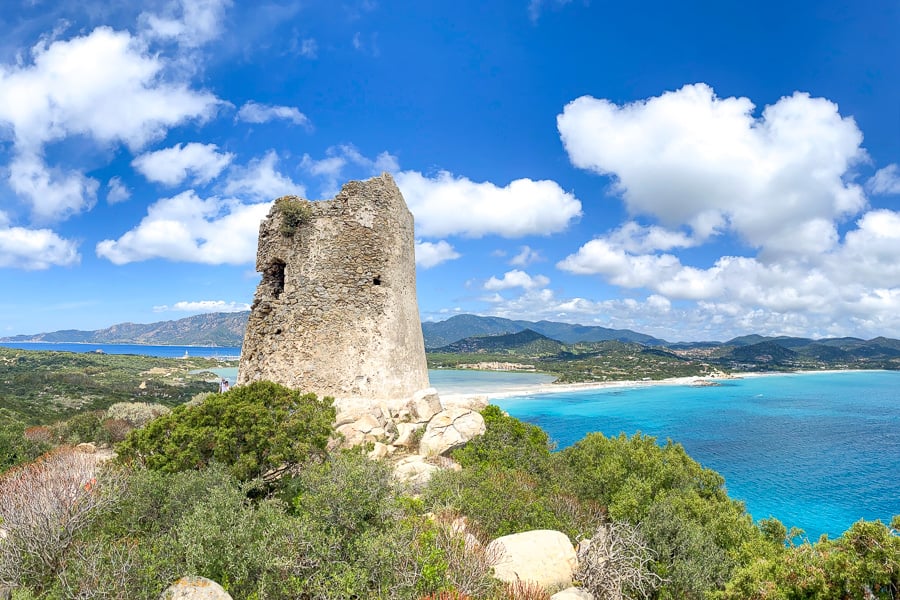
x,y
336,312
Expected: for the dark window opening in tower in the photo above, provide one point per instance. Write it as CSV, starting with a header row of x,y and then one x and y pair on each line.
x,y
274,276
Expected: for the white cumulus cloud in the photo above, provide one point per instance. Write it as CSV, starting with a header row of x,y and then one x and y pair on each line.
x,y
261,180
190,23
339,159
253,112
104,85
886,181
34,249
203,306
525,257
431,254
188,228
446,205
689,158
171,166
116,191
514,279
708,171
54,194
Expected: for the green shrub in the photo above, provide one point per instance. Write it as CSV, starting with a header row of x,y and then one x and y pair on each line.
x,y
682,509
294,213
154,502
508,443
137,414
84,427
252,550
259,429
862,563
15,447
346,495
500,501
370,541
510,482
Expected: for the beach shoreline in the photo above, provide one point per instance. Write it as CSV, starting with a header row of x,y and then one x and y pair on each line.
x,y
514,390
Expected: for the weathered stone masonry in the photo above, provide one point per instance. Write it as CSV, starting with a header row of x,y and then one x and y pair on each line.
x,y
336,312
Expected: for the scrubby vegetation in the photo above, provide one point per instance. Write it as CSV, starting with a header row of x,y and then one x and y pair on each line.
x,y
189,495
40,388
295,212
579,362
257,430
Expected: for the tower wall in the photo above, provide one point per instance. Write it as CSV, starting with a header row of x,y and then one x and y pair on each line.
x,y
335,312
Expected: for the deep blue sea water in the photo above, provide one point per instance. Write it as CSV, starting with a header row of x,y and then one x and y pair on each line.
x,y
818,451
162,351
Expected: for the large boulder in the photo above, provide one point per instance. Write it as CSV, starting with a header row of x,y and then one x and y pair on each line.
x,y
195,588
414,469
477,403
450,429
406,434
542,556
365,429
424,405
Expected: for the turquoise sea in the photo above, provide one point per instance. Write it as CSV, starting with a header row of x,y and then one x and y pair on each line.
x,y
141,349
818,451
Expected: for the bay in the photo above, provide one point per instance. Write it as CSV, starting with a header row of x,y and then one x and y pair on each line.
x,y
223,353
818,451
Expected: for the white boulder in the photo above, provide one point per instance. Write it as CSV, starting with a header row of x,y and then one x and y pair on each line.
x,y
424,405
414,469
406,434
195,588
542,556
450,429
365,429
476,403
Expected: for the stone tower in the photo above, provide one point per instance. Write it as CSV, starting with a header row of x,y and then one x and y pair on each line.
x,y
336,312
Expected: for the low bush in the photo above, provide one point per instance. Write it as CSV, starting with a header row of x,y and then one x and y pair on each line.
x,y
16,447
863,563
508,443
43,507
84,427
137,414
500,501
294,213
261,429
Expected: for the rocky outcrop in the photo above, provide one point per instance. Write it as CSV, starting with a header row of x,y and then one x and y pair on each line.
x,y
415,470
195,588
542,556
335,312
450,429
424,405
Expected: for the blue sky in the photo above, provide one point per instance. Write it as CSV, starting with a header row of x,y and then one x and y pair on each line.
x,y
693,170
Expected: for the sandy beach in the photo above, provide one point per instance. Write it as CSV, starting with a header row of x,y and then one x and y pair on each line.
x,y
552,388
513,390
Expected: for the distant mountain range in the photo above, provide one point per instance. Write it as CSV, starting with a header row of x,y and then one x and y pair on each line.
x,y
459,327
213,329
473,334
